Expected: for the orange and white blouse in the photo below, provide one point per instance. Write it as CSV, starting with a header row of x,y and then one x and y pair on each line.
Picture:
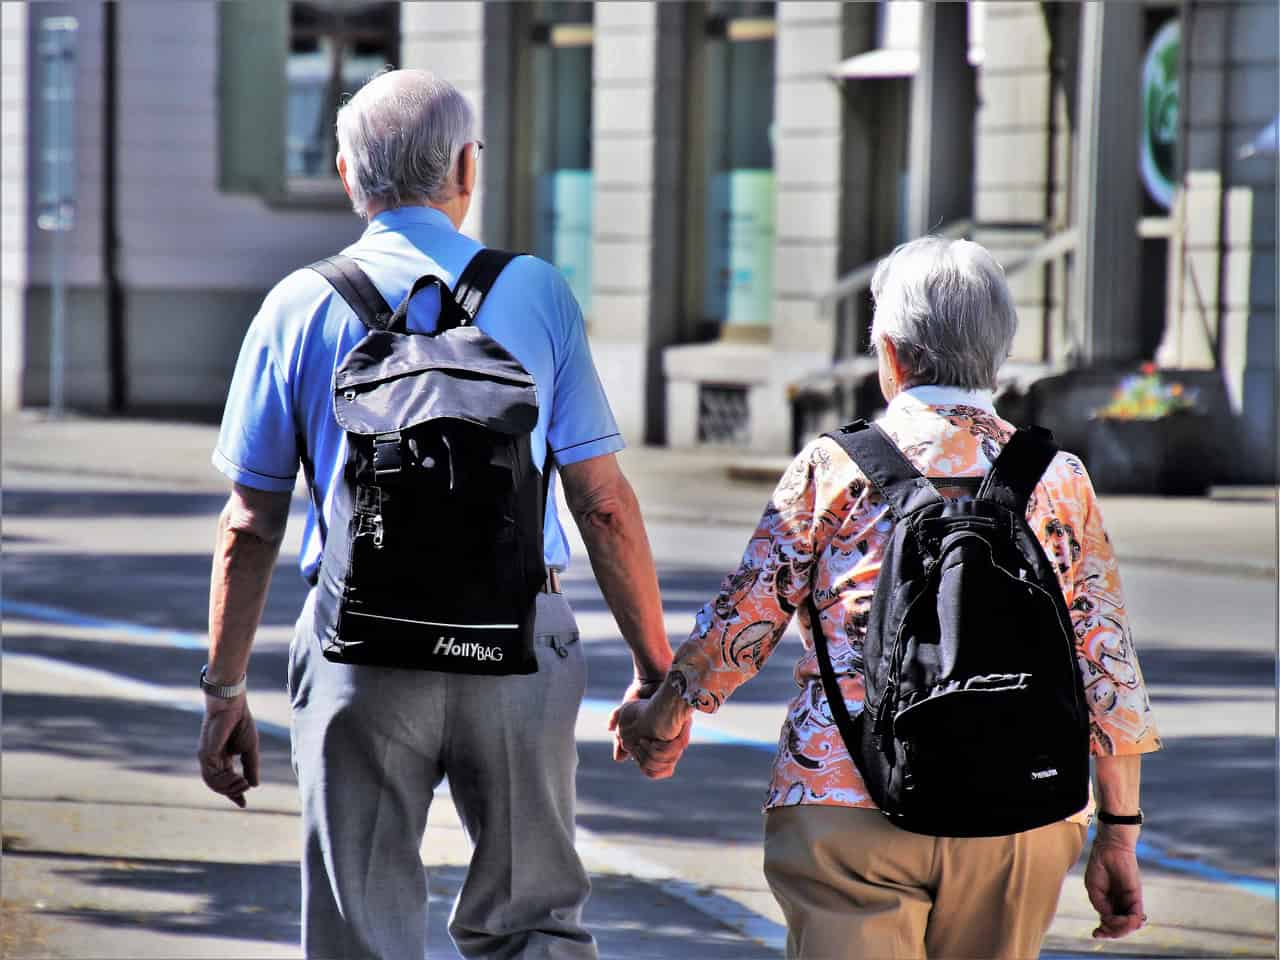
x,y
824,531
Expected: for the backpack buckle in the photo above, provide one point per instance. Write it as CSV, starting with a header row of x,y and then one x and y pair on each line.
x,y
388,457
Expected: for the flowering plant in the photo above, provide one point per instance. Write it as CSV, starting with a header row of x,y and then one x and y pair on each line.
x,y
1144,396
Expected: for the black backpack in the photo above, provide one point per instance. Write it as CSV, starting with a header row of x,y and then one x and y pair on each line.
x,y
974,722
434,560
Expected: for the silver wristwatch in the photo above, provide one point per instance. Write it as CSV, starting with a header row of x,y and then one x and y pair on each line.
x,y
223,691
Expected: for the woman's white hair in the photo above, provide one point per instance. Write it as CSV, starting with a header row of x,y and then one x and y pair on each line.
x,y
946,307
401,135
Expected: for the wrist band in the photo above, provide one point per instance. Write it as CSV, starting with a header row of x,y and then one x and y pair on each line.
x,y
1116,820
223,691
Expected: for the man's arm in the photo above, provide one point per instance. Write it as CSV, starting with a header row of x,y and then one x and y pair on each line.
x,y
1111,877
250,531
608,516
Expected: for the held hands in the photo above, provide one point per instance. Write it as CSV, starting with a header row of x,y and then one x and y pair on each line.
x,y
228,731
651,728
1112,881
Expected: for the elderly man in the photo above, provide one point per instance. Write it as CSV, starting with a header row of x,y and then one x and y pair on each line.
x,y
370,744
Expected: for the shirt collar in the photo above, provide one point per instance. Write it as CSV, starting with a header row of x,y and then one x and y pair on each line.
x,y
398,218
935,396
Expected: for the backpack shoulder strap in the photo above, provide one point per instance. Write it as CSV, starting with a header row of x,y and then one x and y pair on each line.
x,y
1019,468
355,287
478,277
899,483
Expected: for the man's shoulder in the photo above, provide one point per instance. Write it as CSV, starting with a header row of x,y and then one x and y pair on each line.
x,y
534,275
302,287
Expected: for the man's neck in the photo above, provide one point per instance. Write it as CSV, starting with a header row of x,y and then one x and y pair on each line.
x,y
448,209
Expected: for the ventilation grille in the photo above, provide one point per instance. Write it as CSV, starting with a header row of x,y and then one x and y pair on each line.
x,y
722,416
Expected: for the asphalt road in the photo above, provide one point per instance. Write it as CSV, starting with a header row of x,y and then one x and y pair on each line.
x,y
82,554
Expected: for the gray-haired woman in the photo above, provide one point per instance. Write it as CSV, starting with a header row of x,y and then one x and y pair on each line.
x,y
849,882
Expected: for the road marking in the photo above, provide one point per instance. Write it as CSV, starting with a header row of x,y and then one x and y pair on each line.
x,y
188,639
139,690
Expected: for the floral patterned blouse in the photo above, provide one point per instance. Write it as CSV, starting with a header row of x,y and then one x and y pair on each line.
x,y
824,531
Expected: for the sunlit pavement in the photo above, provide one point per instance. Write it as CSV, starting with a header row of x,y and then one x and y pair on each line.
x,y
114,848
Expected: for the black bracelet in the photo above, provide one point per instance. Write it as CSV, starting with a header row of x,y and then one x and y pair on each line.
x,y
1116,820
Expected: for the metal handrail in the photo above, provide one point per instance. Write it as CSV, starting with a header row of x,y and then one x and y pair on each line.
x,y
859,279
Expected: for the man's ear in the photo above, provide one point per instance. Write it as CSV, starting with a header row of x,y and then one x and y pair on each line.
x,y
467,169
341,163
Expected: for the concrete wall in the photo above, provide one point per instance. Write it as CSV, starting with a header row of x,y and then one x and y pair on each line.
x,y
13,200
1224,257
194,261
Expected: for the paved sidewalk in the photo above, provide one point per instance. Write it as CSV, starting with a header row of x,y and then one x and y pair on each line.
x,y
1233,532
103,841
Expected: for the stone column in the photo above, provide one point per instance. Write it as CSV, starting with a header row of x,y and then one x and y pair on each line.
x,y
1105,301
448,38
637,155
942,121
808,152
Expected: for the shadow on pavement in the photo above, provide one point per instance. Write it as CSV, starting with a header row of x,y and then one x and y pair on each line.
x,y
149,738
1215,798
244,901
1207,667
156,663
163,591
113,503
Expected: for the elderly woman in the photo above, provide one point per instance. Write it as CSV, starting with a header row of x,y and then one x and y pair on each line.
x,y
850,883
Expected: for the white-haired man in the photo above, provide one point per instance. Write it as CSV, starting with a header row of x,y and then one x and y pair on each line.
x,y
370,744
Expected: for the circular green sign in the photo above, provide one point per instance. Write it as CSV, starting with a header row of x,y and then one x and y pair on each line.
x,y
1157,157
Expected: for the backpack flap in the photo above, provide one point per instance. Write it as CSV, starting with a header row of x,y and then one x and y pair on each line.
x,y
395,381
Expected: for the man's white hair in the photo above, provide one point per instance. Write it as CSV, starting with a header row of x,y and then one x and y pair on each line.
x,y
401,135
946,307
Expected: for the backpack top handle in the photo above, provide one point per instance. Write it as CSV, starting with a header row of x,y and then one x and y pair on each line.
x,y
451,314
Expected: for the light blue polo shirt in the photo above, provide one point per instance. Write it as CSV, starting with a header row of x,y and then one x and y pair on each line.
x,y
282,389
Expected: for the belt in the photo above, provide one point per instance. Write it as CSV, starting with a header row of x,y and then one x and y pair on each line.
x,y
552,583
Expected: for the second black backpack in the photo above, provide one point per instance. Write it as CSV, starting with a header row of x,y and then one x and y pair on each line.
x,y
434,556
974,722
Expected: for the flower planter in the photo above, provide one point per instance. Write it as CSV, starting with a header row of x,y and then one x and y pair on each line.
x,y
1169,456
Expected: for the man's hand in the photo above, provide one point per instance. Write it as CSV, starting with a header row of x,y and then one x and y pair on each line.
x,y
656,743
228,732
640,689
1115,889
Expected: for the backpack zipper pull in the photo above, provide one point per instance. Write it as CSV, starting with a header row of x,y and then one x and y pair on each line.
x,y
377,531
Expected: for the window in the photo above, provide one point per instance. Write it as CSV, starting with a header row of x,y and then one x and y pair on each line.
x,y
283,70
560,162
333,50
734,172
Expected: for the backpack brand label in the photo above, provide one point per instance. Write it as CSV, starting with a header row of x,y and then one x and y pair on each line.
x,y
1043,774
450,647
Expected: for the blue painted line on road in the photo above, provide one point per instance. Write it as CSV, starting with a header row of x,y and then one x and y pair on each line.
x,y
190,640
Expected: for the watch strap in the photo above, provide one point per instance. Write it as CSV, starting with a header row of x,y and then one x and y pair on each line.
x,y
1117,820
223,691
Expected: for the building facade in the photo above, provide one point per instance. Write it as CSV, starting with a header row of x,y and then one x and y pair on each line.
x,y
714,178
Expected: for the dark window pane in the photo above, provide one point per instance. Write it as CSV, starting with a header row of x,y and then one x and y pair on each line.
x,y
334,48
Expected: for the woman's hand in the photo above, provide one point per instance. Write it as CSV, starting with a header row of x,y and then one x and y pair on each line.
x,y
655,732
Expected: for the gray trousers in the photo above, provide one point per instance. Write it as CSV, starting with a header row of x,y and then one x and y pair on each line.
x,y
371,744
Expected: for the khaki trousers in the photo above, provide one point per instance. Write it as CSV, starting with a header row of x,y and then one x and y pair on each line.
x,y
854,886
